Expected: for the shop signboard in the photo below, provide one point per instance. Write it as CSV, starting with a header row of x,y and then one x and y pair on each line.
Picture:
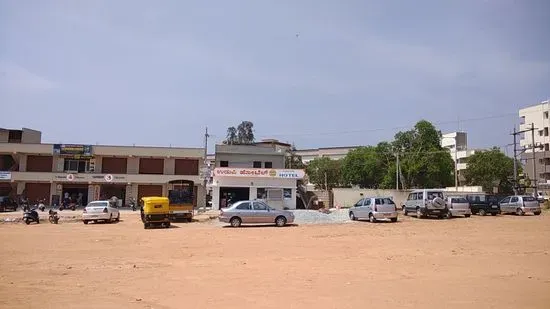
x,y
258,172
5,176
73,150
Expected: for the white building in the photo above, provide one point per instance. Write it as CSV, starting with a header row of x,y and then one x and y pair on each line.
x,y
250,172
457,144
537,116
334,153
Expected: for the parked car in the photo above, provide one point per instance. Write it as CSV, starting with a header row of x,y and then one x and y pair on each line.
x,y
254,212
458,206
100,211
483,204
520,204
374,209
7,203
542,197
426,202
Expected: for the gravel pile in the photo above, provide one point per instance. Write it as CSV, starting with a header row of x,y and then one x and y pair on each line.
x,y
317,217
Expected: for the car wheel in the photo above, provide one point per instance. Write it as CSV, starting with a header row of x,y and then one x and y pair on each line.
x,y
536,213
449,215
235,222
27,221
110,218
372,219
167,225
519,212
393,219
280,221
117,217
468,216
85,221
493,214
482,212
145,225
405,212
352,216
419,213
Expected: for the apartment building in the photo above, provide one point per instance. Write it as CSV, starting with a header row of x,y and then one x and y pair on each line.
x,y
537,116
334,153
249,172
49,171
457,144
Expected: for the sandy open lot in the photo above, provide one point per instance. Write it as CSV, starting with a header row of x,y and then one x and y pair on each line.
x,y
480,262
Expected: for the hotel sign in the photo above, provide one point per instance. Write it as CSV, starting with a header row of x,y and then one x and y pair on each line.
x,y
258,172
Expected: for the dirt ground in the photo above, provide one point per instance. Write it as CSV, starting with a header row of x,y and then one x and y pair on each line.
x,y
480,262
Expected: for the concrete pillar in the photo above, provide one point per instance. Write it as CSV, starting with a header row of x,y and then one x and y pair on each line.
x,y
132,166
216,198
20,187
129,194
92,192
201,196
169,166
58,164
98,164
22,162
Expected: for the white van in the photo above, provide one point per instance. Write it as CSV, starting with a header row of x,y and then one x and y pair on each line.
x,y
426,202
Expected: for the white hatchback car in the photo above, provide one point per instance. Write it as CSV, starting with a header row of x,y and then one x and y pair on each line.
x,y
100,211
374,209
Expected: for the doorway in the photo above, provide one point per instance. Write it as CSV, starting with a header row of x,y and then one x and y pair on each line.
x,y
77,193
229,196
110,190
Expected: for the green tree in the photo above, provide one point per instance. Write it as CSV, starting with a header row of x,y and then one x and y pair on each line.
x,y
491,169
423,162
325,173
242,135
363,167
293,160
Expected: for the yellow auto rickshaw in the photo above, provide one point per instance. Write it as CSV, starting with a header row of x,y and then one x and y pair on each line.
x,y
155,211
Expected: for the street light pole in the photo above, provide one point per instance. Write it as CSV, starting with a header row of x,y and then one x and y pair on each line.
x,y
456,164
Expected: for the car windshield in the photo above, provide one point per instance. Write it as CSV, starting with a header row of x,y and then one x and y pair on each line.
x,y
529,199
98,204
458,200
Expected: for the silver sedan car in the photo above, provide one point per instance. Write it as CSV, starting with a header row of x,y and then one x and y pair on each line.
x,y
254,212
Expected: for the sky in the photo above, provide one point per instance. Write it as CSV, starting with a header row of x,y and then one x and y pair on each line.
x,y
313,73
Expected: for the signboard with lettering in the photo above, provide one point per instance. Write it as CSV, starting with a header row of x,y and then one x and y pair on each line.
x,y
5,176
258,172
72,150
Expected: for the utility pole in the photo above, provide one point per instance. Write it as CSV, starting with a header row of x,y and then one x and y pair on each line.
x,y
456,162
397,171
326,182
515,163
534,158
205,168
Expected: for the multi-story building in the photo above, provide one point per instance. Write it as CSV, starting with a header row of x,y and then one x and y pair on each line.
x,y
536,116
49,171
249,172
334,153
457,144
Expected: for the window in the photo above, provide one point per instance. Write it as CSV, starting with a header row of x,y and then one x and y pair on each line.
x,y
378,201
458,200
244,206
506,200
275,194
412,196
360,203
268,164
546,131
79,166
261,193
432,195
541,132
287,194
514,199
224,164
528,199
546,147
545,115
260,206
257,164
388,201
420,195
367,202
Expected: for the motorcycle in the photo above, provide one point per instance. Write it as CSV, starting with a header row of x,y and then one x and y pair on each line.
x,y
31,216
53,217
71,206
25,206
133,205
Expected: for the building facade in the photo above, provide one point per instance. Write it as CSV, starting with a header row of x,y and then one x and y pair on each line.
x,y
334,153
49,171
457,144
537,116
249,172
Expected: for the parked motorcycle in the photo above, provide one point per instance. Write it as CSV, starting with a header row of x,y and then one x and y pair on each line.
x,y
53,217
25,206
133,204
31,216
71,206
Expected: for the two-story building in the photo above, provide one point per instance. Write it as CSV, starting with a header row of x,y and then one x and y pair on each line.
x,y
249,172
49,171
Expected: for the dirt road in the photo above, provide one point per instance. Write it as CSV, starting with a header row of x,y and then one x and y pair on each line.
x,y
480,262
